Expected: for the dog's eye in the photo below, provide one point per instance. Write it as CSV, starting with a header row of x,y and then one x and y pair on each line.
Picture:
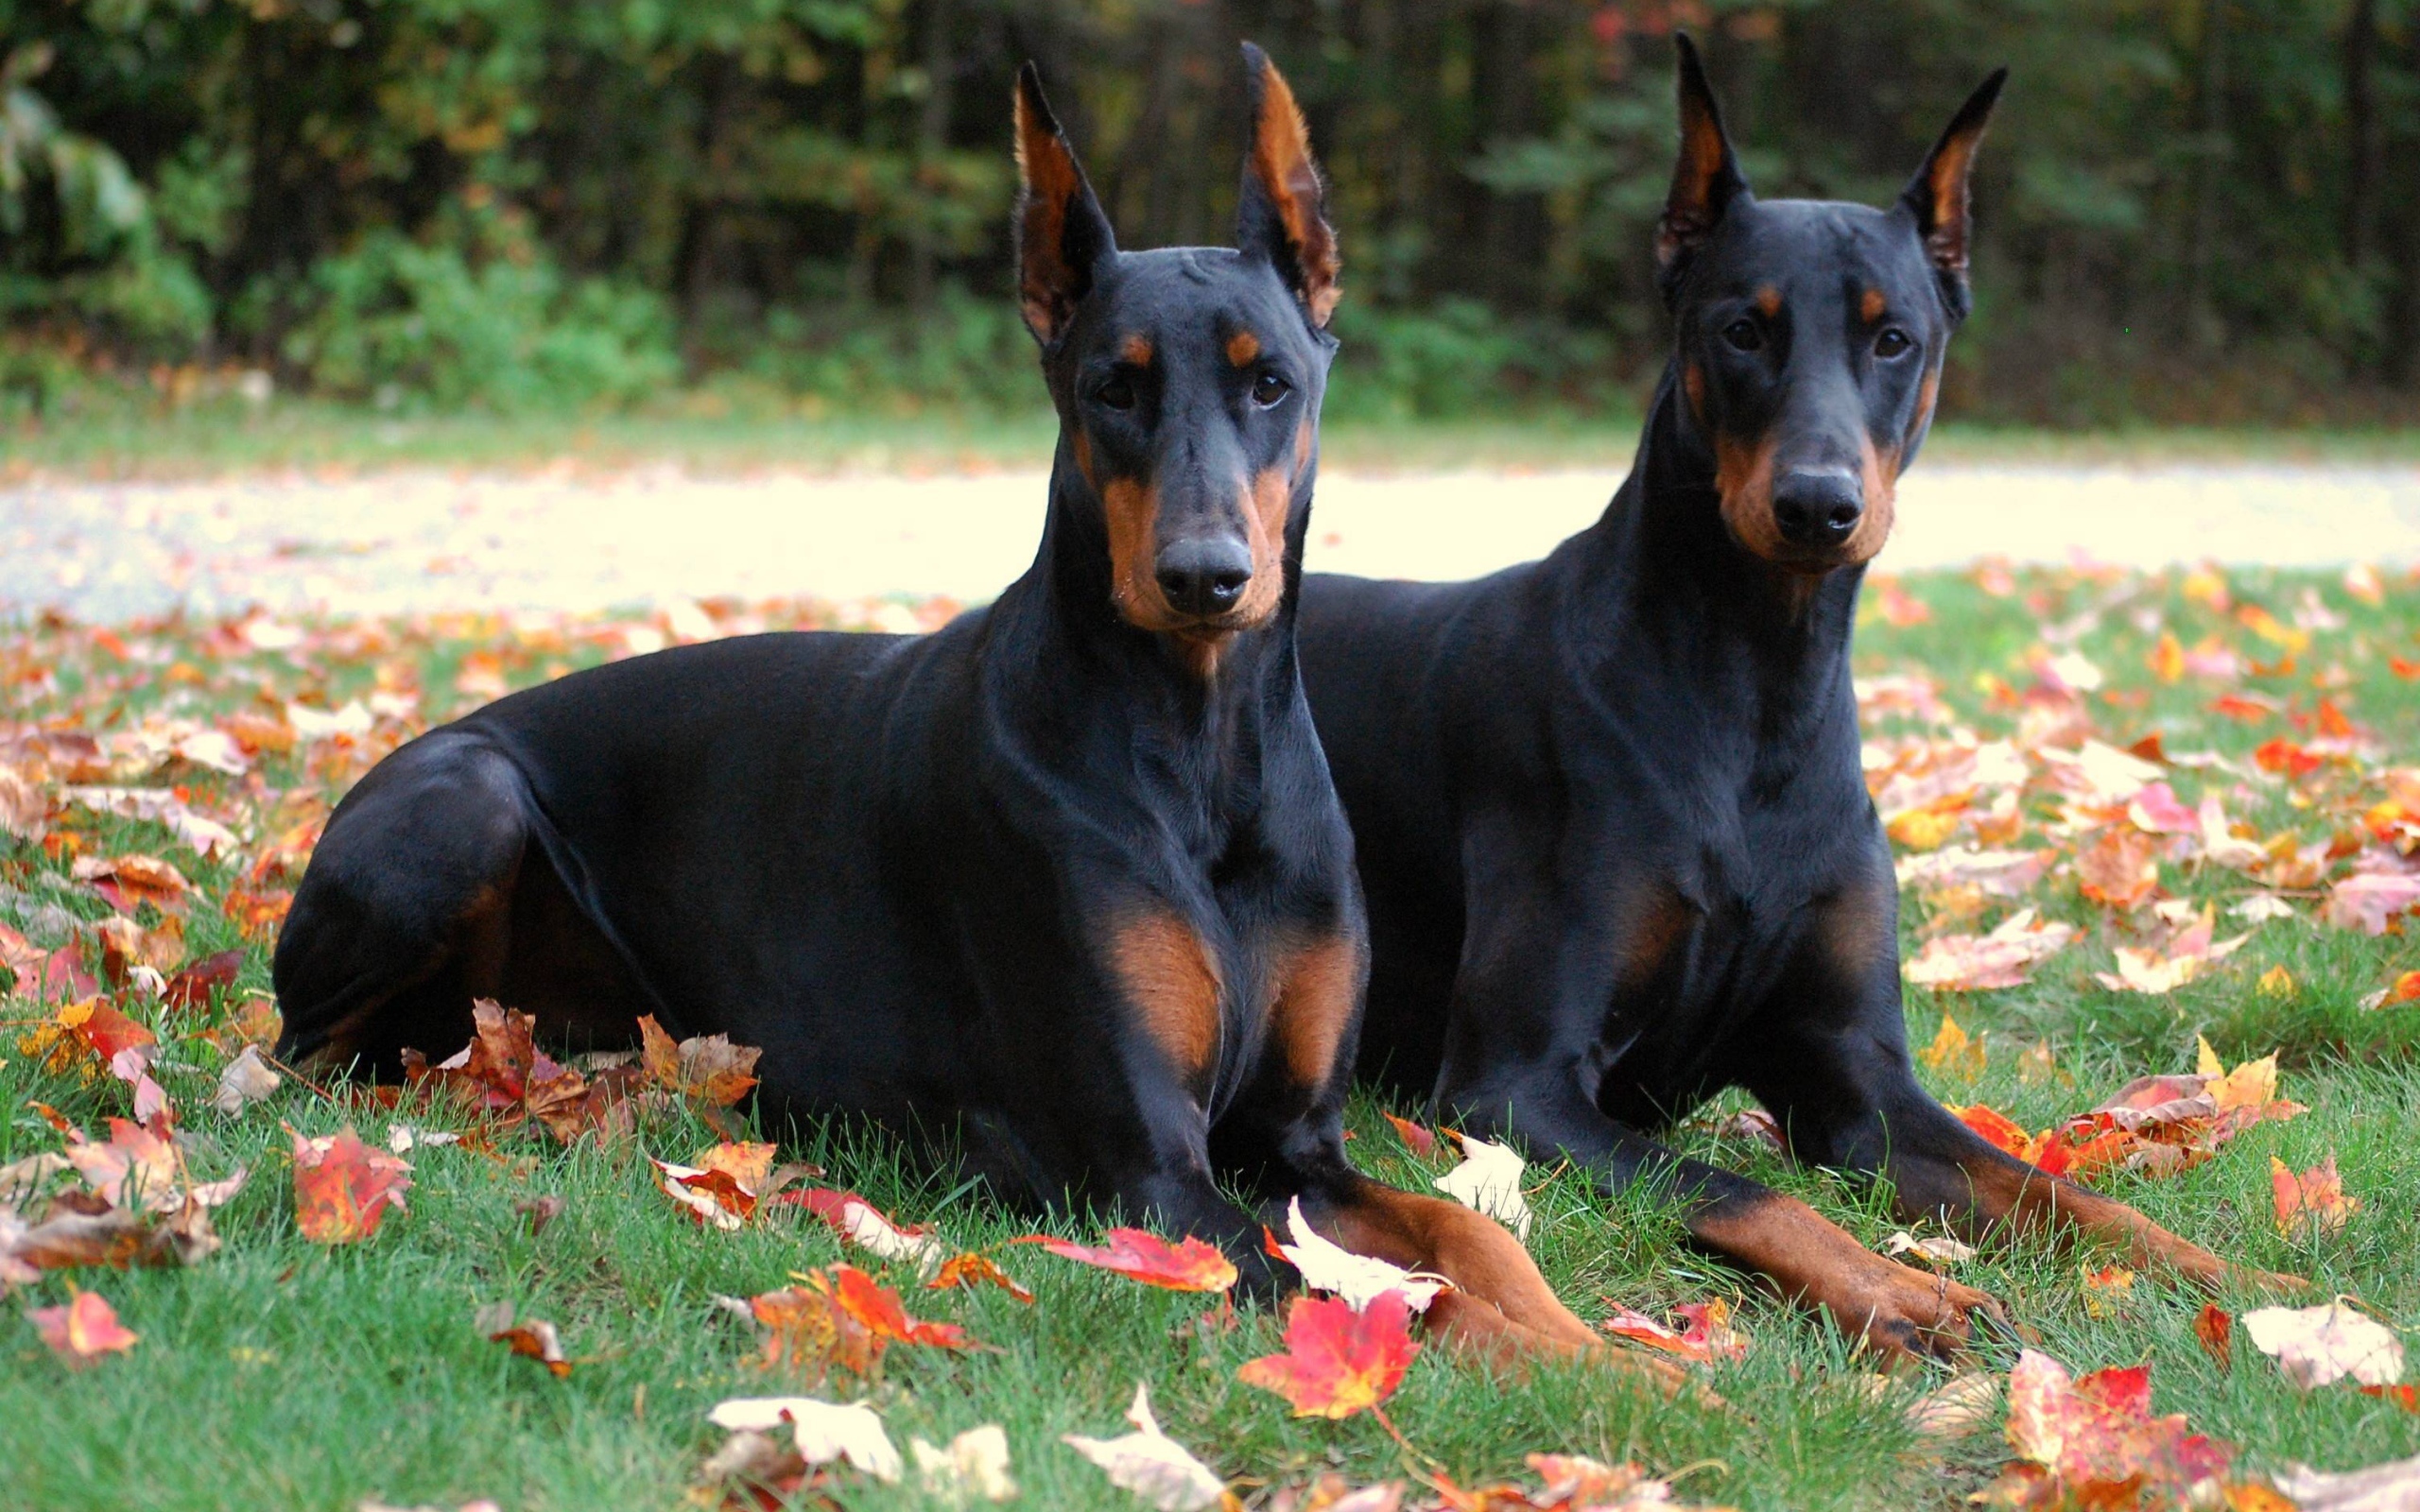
x,y
1744,335
1892,342
1268,389
1117,393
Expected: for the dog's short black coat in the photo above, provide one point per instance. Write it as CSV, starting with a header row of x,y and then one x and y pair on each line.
x,y
1064,883
1611,817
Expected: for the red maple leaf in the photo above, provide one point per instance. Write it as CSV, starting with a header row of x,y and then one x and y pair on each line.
x,y
972,1270
1338,1360
1189,1266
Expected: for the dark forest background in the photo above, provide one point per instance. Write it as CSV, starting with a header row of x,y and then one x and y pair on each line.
x,y
2192,210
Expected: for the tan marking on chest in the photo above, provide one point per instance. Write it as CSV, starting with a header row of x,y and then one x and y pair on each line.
x,y
1169,977
1316,991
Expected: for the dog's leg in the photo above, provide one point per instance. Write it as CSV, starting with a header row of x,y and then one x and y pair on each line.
x,y
1831,1064
1894,1309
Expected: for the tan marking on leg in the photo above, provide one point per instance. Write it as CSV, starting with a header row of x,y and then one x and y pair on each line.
x,y
1242,348
1896,1310
2007,1191
1136,350
1769,301
1169,977
1315,992
1871,306
1501,1306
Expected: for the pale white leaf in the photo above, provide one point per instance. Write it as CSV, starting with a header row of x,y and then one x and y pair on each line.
x,y
1151,1463
1357,1279
974,1467
2314,1346
1489,1181
824,1431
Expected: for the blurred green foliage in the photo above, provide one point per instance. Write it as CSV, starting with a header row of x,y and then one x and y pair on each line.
x,y
2191,209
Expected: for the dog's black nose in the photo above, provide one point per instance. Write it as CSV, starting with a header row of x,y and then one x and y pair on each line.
x,y
1204,577
1817,506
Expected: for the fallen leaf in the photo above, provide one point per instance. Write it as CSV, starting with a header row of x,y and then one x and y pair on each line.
x,y
2314,1346
245,1081
342,1188
1488,1180
711,1198
2003,959
193,986
2093,1441
2394,1486
1955,1408
1939,1249
709,1068
83,1330
540,1211
864,1225
2311,1205
975,1467
2104,1291
2214,1330
128,882
533,1339
973,1269
2370,900
1189,1266
1151,1465
1416,1137
1705,1335
2120,870
1953,1052
1359,1279
823,1431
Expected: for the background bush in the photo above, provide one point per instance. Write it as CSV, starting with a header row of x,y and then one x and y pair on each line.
x,y
2192,209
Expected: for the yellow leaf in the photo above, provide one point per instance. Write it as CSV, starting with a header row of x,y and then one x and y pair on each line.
x,y
2276,982
1953,1052
2205,1060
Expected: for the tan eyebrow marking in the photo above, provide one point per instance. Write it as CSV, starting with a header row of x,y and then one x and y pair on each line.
x,y
1242,347
1135,349
1872,306
1769,301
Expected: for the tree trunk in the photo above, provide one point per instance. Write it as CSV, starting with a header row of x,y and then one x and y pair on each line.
x,y
932,142
2362,128
2201,312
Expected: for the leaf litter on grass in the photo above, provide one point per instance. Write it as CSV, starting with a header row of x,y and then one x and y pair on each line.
x,y
2041,806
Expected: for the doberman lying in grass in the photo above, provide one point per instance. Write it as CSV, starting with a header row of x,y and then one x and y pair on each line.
x,y
1064,882
1611,818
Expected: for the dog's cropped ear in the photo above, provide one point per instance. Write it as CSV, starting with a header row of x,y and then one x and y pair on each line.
x,y
1937,195
1282,212
1705,180
1062,234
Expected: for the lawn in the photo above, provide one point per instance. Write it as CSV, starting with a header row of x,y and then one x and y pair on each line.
x,y
281,1372
124,438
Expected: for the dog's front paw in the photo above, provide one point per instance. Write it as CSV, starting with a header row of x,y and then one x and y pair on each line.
x,y
1903,1313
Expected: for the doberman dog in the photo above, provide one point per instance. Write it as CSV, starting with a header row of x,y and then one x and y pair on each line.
x,y
1612,823
1062,887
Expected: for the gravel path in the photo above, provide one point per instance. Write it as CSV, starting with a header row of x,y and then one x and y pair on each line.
x,y
401,542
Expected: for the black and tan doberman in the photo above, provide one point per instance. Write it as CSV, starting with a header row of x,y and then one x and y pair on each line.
x,y
1610,812
1064,883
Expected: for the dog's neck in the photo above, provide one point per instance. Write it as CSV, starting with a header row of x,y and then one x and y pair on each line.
x,y
1671,583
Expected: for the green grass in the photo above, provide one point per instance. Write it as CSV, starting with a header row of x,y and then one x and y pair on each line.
x,y
281,1374
702,434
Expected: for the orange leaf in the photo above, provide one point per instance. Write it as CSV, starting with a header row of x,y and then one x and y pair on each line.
x,y
2214,1327
83,1330
2406,1397
710,1196
1338,1362
2121,869
2287,759
708,1068
2313,1204
971,1270
879,1308
342,1188
1189,1266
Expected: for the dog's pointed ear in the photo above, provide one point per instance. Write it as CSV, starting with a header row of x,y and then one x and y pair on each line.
x,y
1282,212
1062,234
1937,197
1705,180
